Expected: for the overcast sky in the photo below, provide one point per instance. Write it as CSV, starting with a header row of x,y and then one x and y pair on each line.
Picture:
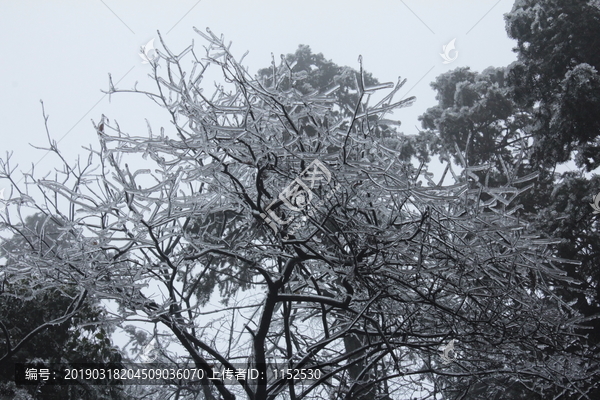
x,y
61,52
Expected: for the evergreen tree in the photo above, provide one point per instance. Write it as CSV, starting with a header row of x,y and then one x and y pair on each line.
x,y
546,103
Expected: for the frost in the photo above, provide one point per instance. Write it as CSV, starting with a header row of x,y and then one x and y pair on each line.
x,y
195,239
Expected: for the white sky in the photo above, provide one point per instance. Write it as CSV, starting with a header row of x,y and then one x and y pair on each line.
x,y
62,51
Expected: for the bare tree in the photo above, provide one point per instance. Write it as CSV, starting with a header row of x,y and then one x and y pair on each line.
x,y
326,250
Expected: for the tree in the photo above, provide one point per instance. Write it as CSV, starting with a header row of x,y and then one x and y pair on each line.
x,y
557,74
309,236
49,322
497,133
546,104
312,73
557,71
